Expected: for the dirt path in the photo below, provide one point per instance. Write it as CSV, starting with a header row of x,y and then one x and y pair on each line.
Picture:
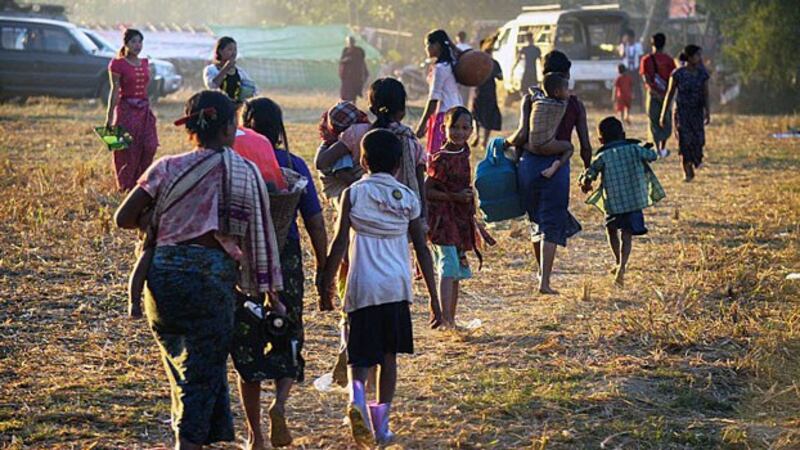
x,y
698,351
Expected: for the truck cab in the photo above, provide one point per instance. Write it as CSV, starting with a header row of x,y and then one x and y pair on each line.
x,y
589,36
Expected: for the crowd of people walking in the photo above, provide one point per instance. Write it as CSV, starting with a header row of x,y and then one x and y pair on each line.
x,y
221,259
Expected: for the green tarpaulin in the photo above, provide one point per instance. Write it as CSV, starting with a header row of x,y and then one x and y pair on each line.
x,y
295,56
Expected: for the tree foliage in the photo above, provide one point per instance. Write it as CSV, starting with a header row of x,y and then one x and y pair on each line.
x,y
762,43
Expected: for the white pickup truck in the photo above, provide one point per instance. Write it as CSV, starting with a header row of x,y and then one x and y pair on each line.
x,y
589,36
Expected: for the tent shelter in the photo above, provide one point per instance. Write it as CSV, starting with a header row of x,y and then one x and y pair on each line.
x,y
295,56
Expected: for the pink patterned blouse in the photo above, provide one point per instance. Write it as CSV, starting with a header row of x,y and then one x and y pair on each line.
x,y
195,214
133,80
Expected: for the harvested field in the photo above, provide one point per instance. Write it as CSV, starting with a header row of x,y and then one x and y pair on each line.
x,y
701,349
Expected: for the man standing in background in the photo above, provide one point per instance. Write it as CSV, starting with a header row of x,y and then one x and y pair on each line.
x,y
531,54
655,69
352,71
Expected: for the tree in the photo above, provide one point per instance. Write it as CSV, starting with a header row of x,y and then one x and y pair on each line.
x,y
762,43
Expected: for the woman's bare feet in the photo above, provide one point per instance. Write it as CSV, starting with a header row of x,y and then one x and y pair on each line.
x,y
279,435
619,280
255,443
547,290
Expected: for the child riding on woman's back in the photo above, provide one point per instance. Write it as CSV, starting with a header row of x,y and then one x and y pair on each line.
x,y
547,110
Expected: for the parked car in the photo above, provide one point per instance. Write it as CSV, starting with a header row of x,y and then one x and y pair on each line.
x,y
49,57
588,35
164,79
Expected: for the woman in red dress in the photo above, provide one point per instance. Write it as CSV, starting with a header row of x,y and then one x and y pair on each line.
x,y
128,107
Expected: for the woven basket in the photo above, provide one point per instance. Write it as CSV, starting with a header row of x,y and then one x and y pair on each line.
x,y
282,206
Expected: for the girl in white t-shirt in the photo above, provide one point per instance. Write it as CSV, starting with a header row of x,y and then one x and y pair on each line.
x,y
444,93
377,215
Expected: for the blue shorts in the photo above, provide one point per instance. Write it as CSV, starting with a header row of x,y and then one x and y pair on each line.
x,y
449,262
632,222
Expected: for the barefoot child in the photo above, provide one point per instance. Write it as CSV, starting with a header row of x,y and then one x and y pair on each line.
x,y
627,186
451,210
381,213
623,94
545,116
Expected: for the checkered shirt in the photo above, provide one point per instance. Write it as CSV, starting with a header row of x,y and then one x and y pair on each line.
x,y
628,183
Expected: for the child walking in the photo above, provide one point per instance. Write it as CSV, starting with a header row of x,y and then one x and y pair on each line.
x,y
379,213
627,186
451,210
623,94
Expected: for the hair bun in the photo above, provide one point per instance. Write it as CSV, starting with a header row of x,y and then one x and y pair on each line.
x,y
683,57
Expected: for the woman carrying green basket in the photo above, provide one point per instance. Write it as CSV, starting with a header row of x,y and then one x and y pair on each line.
x,y
129,111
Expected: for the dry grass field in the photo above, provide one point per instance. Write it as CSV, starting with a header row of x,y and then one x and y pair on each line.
x,y
701,349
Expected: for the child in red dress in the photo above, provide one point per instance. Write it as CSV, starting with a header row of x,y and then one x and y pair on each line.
x,y
623,94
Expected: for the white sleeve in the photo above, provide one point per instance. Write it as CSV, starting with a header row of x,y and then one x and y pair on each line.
x,y
437,83
246,77
209,73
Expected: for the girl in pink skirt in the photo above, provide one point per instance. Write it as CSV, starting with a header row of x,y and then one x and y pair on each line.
x,y
444,93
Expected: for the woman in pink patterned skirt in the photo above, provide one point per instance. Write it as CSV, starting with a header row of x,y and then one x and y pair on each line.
x,y
129,108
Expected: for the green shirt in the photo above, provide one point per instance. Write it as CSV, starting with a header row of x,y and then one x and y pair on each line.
x,y
628,183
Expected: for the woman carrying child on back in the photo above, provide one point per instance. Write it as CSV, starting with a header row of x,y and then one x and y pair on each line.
x,y
382,213
452,228
546,200
387,101
444,93
207,234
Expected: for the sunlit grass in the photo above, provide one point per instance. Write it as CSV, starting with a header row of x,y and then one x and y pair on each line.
x,y
699,351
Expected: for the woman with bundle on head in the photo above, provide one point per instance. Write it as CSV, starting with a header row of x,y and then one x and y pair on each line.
x,y
208,213
690,85
444,93
224,73
253,358
129,108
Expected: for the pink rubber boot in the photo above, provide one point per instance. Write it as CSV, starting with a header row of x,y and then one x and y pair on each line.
x,y
379,416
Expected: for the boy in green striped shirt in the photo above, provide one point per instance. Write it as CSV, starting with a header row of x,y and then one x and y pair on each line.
x,y
627,186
